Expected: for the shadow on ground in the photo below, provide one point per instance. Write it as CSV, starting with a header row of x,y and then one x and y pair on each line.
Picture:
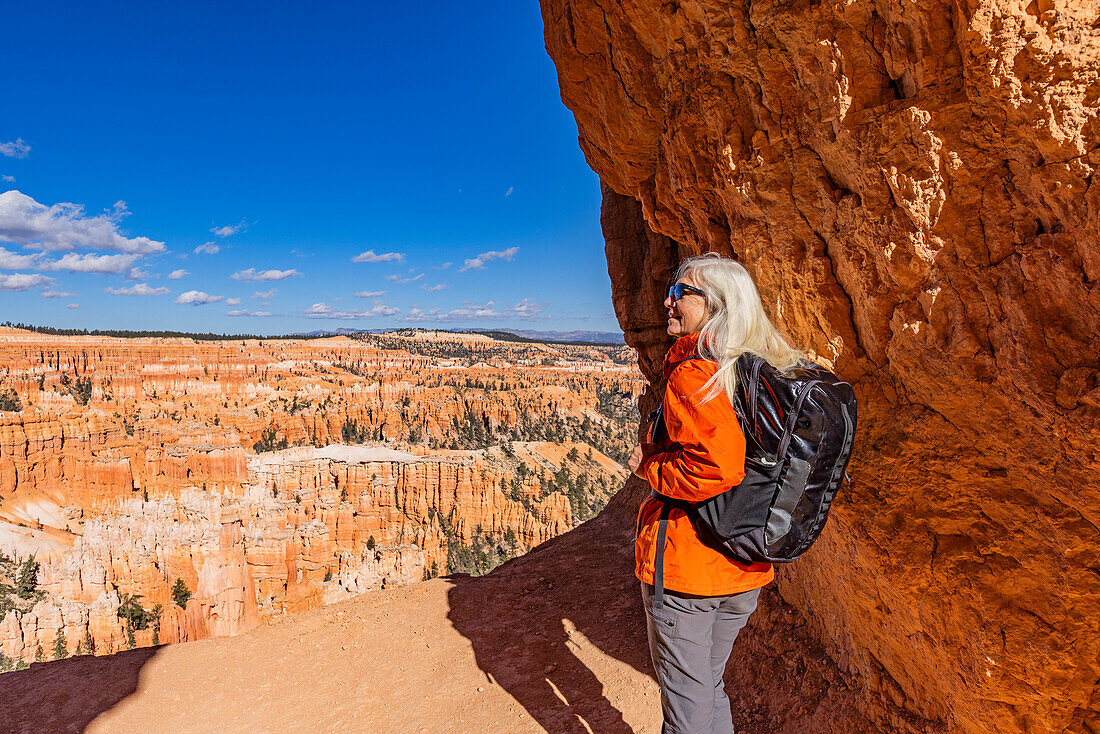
x,y
779,679
70,693
519,620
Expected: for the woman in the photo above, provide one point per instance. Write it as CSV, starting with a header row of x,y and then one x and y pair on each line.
x,y
699,451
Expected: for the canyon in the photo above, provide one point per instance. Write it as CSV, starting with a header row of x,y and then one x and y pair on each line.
x,y
218,485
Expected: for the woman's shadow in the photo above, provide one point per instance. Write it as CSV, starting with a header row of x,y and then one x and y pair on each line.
x,y
524,619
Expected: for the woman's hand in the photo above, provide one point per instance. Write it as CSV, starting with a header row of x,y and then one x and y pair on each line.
x,y
640,453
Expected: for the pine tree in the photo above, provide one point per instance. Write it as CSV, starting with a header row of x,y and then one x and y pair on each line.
x,y
60,646
180,593
131,610
28,578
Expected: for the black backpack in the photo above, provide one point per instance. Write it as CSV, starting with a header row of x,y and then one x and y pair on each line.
x,y
799,429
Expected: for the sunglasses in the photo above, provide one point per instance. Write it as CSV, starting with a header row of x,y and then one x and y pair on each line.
x,y
676,292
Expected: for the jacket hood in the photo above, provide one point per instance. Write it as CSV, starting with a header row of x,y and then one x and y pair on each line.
x,y
683,348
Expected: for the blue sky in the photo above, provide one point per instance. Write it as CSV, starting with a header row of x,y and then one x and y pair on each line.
x,y
329,165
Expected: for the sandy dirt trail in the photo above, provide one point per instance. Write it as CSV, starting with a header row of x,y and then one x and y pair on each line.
x,y
502,653
553,641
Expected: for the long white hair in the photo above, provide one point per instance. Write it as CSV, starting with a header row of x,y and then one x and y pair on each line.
x,y
736,322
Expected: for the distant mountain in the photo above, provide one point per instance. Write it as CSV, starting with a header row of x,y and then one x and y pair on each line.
x,y
602,337
588,337
340,332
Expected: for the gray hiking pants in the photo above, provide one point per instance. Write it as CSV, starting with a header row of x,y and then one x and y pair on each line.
x,y
690,640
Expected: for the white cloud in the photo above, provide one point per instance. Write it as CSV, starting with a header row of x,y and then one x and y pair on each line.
x,y
265,295
71,262
370,294
253,274
197,298
229,230
64,227
15,149
444,266
434,288
7,179
73,305
139,274
177,274
208,248
246,312
509,191
232,302
468,311
102,264
14,261
57,294
324,311
528,310
22,281
138,289
477,263
386,257
402,281
525,310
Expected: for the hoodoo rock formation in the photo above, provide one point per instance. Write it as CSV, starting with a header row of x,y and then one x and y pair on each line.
x,y
912,185
278,476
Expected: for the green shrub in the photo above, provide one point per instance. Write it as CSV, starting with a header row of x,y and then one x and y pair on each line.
x,y
269,441
180,593
131,610
81,389
9,400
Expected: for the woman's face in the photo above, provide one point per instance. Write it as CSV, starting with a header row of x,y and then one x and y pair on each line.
x,y
687,315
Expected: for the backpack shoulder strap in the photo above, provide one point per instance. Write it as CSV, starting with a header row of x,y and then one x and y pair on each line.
x,y
695,355
667,505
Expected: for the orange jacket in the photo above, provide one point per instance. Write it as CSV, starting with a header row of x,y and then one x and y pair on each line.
x,y
703,455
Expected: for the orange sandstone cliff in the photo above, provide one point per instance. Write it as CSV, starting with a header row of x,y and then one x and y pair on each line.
x,y
912,184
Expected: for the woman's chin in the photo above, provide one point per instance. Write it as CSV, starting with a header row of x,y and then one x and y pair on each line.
x,y
674,328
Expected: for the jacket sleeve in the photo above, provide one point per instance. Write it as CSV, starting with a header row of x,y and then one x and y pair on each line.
x,y
706,455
